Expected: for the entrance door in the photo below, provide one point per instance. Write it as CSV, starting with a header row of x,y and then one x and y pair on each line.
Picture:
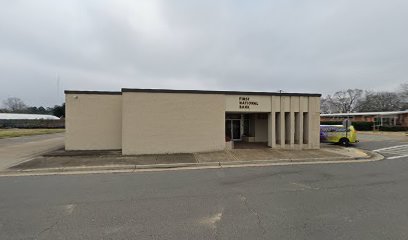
x,y
233,129
236,129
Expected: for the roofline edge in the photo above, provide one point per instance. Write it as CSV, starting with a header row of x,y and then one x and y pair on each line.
x,y
93,92
219,92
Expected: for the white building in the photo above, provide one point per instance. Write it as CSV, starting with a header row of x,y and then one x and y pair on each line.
x,y
23,116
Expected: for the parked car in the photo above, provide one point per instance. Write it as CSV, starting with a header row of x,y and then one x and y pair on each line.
x,y
338,134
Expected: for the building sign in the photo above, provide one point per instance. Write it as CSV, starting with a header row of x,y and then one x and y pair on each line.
x,y
246,103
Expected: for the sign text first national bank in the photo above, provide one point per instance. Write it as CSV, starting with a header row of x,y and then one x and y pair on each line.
x,y
245,103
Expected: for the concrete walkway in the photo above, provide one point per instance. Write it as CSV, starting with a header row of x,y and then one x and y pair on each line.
x,y
60,160
15,150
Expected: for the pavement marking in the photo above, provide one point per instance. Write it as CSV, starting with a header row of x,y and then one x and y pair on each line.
x,y
396,157
212,220
395,150
399,151
388,148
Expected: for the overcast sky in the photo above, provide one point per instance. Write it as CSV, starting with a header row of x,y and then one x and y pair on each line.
x,y
293,45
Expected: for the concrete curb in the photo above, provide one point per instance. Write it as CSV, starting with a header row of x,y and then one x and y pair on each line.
x,y
372,156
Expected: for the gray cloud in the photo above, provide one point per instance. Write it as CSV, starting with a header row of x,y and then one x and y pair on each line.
x,y
306,46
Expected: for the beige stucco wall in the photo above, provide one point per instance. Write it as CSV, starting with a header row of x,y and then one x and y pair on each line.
x,y
261,130
314,111
292,105
172,123
152,122
93,122
287,125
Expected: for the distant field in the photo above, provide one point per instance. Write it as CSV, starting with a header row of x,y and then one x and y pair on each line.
x,y
9,133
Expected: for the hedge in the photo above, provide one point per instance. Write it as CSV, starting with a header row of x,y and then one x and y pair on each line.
x,y
393,129
31,123
368,126
331,123
363,126
359,126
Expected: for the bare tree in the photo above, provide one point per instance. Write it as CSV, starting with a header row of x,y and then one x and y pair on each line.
x,y
345,100
381,101
403,92
326,105
14,104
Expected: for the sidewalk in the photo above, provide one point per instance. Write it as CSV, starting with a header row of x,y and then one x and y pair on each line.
x,y
61,161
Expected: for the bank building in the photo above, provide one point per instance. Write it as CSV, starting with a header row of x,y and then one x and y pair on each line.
x,y
156,121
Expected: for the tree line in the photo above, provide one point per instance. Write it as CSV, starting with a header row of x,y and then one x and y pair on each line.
x,y
358,100
343,101
16,105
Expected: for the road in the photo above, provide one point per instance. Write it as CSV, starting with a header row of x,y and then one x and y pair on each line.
x,y
318,202
15,150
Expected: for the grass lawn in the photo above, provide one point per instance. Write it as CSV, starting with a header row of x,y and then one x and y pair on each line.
x,y
9,133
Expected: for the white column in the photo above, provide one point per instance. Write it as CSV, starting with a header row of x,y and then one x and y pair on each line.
x,y
282,129
271,130
292,129
300,130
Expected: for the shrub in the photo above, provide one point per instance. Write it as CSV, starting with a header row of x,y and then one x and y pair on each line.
x,y
363,126
331,123
393,129
31,123
359,126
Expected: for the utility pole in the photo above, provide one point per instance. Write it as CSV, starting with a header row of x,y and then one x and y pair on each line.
x,y
58,88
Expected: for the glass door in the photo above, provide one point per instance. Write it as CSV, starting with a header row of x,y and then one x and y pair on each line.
x,y
233,129
228,130
236,129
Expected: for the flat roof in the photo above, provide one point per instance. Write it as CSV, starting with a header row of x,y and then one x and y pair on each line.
x,y
92,92
193,92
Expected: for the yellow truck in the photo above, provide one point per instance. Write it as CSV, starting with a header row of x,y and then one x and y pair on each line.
x,y
338,134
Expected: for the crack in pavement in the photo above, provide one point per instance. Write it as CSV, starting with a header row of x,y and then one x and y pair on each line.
x,y
47,229
304,186
254,212
66,211
155,236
